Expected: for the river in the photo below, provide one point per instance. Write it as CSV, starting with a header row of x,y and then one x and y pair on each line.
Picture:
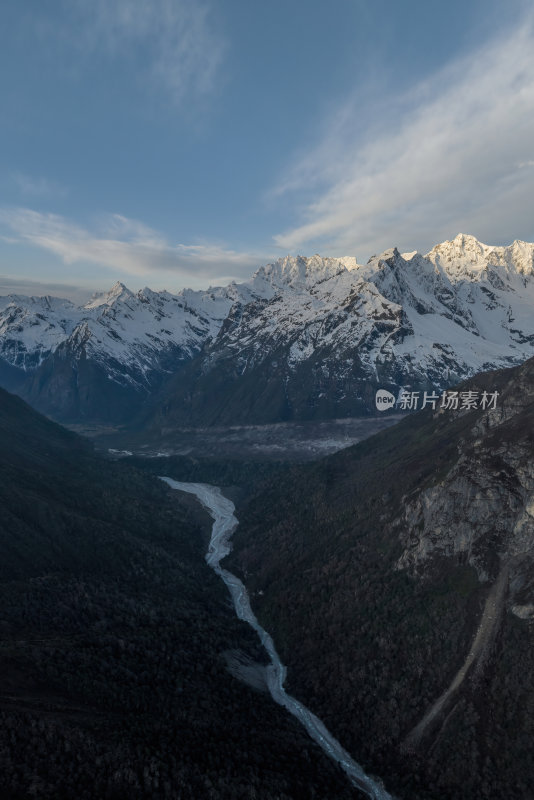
x,y
224,524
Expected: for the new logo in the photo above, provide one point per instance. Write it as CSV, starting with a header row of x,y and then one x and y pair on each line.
x,y
384,400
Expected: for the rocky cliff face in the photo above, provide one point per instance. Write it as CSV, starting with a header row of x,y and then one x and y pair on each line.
x,y
416,643
482,511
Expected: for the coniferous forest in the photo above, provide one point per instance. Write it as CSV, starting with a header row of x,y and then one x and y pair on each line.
x,y
114,636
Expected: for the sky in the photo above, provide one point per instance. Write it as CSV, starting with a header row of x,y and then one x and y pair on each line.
x,y
187,142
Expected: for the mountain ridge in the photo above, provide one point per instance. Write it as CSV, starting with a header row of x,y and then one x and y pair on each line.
x,y
313,332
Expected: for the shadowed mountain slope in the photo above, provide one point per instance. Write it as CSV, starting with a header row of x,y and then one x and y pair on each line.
x,y
397,578
115,639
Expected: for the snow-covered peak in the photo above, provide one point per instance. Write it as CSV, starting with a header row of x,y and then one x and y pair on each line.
x,y
216,302
30,327
401,281
384,259
384,267
516,258
300,272
159,299
462,258
118,292
465,258
147,294
45,303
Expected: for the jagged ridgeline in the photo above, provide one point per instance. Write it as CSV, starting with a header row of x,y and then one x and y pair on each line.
x,y
397,579
114,637
305,338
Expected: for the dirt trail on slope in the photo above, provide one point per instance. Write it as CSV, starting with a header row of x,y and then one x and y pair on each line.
x,y
484,637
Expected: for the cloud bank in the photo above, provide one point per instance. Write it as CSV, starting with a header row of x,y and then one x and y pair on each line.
x,y
455,154
127,246
26,286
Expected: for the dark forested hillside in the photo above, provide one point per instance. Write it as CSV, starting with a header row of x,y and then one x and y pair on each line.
x,y
114,637
399,573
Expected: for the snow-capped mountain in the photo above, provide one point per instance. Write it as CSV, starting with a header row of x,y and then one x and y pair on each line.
x,y
333,331
303,338
120,345
131,329
32,327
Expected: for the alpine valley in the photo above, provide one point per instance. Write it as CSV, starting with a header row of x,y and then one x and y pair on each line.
x,y
303,339
388,588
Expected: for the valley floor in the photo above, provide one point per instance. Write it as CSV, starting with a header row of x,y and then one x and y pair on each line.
x,y
288,441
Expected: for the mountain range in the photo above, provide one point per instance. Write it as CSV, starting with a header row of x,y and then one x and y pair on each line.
x,y
304,338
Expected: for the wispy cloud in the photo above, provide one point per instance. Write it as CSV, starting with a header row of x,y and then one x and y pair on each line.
x,y
172,43
38,187
449,156
127,246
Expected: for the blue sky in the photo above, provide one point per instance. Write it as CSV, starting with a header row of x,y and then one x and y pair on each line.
x,y
186,142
